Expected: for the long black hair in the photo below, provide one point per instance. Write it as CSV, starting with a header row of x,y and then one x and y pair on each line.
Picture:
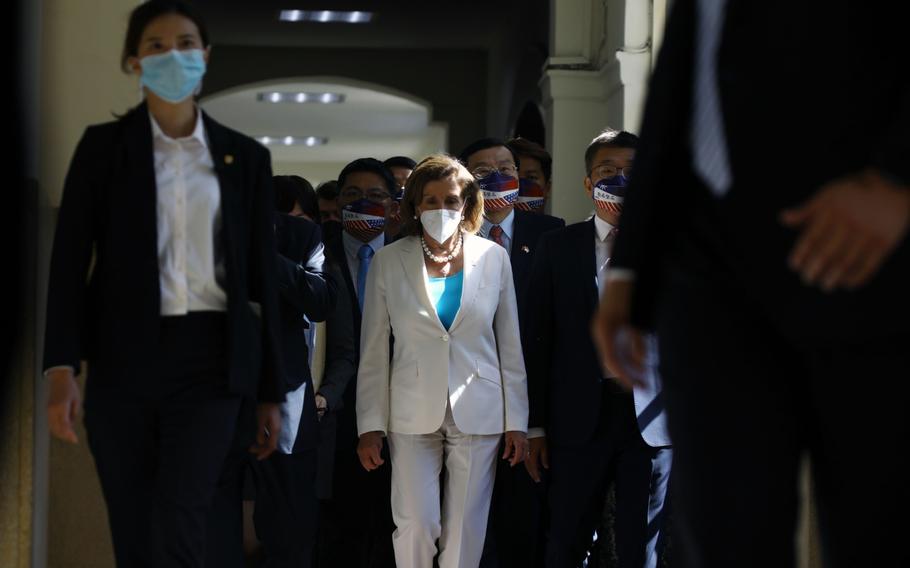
x,y
144,13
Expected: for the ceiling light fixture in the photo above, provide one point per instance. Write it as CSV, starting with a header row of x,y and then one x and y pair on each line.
x,y
326,16
324,98
309,141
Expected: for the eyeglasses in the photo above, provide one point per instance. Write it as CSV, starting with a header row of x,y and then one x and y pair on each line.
x,y
354,194
481,172
607,171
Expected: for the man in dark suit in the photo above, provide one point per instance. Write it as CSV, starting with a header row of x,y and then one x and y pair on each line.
x,y
597,434
513,532
774,302
285,499
359,517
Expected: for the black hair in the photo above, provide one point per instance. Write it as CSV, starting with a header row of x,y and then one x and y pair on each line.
x,y
609,138
531,149
291,190
143,15
400,162
371,165
484,144
327,190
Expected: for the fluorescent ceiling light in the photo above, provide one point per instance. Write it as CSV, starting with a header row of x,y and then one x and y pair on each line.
x,y
277,97
294,140
326,16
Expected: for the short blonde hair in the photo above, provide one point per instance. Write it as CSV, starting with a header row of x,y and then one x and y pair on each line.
x,y
436,168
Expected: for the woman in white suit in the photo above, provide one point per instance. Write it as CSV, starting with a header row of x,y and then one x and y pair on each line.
x,y
455,380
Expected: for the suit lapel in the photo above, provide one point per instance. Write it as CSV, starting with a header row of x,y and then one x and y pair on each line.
x,y
520,255
228,168
470,280
588,260
140,171
412,261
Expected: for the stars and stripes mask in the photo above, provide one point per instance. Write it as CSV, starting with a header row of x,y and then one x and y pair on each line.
x,y
530,196
499,191
363,219
610,192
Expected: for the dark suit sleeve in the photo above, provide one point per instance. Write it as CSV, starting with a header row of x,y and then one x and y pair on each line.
x,y
71,257
305,285
537,335
891,155
340,358
264,282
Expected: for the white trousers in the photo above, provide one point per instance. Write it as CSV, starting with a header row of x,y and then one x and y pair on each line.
x,y
417,461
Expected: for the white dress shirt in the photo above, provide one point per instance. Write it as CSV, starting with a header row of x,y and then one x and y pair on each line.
x,y
352,246
508,229
190,259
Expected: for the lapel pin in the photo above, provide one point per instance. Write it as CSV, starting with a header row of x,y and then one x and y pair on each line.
x,y
524,248
228,159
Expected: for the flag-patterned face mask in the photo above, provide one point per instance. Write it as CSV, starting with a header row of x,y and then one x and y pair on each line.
x,y
610,192
530,196
363,219
499,191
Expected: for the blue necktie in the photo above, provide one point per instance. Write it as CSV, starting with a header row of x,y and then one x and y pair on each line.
x,y
365,254
709,141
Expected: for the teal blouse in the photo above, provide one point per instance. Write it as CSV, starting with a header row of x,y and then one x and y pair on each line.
x,y
445,294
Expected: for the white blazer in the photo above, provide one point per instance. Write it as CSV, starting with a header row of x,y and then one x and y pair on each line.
x,y
477,364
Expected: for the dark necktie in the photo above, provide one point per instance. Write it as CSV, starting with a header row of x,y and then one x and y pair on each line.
x,y
496,235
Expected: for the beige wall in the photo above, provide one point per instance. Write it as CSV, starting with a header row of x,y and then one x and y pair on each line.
x,y
80,83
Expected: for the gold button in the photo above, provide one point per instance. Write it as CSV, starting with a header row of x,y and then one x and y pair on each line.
x,y
228,159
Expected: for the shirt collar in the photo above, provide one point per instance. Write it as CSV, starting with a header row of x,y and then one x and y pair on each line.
x,y
603,228
198,132
352,244
506,225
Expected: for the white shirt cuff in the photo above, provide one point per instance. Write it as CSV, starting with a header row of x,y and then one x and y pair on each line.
x,y
70,367
536,433
620,274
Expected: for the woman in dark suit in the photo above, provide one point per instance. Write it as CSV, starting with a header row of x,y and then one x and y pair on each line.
x,y
177,316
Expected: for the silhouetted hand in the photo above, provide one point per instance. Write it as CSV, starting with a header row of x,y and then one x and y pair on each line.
x,y
538,455
268,426
847,230
369,450
621,346
516,447
63,404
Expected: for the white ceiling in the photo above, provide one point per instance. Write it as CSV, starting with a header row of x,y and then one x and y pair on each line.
x,y
372,121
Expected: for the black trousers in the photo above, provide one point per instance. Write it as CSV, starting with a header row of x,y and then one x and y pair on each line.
x,y
744,404
580,476
355,525
159,437
286,508
283,487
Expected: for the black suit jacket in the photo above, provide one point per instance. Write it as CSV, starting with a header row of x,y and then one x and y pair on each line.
x,y
347,423
564,375
303,291
109,315
528,229
805,100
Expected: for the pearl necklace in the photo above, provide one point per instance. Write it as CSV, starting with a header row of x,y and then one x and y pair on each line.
x,y
442,259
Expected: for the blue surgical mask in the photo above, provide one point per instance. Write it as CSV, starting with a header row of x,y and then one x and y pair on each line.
x,y
173,76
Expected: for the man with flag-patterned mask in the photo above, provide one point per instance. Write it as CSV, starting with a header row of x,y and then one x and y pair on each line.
x,y
366,200
518,500
608,167
366,191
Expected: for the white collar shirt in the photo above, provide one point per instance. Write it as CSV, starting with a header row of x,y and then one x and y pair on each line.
x,y
190,255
